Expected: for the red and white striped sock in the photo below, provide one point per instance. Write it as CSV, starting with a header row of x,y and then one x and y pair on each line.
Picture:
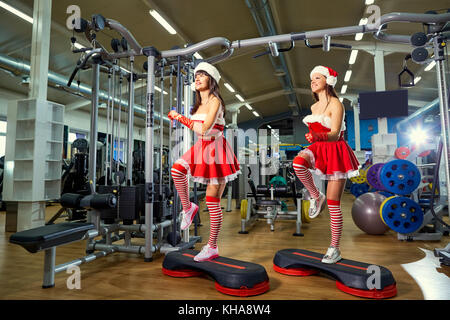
x,y
179,176
301,166
216,218
336,221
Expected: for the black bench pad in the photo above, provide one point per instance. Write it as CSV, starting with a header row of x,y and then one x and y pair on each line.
x,y
233,277
352,276
45,237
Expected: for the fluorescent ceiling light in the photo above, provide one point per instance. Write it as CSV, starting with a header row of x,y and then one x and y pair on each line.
x,y
369,2
341,99
18,13
198,56
353,56
268,126
240,98
344,89
359,36
417,79
159,90
249,107
348,75
363,21
430,66
256,114
162,21
230,88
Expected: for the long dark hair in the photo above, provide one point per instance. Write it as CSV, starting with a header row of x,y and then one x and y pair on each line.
x,y
330,92
213,90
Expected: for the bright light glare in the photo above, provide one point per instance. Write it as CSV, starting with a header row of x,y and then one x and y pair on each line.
x,y
162,21
18,13
418,136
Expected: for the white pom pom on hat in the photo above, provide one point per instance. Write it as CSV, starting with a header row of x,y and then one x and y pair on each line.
x,y
329,73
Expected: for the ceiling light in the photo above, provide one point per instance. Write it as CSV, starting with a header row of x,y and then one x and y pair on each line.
x,y
363,21
430,66
348,75
18,13
159,90
417,79
256,114
230,88
268,126
353,56
359,36
344,89
249,107
162,21
240,98
369,2
198,56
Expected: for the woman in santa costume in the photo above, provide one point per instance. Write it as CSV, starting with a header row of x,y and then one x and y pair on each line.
x,y
329,156
210,161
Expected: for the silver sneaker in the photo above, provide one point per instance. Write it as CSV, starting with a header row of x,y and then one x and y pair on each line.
x,y
333,255
315,205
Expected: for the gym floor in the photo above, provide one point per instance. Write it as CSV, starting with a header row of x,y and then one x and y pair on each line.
x,y
126,276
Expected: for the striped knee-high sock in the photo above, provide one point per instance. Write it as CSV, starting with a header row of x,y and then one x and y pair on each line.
x,y
301,166
336,221
180,180
216,218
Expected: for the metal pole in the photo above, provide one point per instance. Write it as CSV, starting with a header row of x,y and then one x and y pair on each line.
x,y
149,124
119,125
130,143
94,126
108,164
161,130
111,155
443,106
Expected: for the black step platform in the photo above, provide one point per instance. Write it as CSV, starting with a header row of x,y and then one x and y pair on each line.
x,y
352,277
233,277
49,236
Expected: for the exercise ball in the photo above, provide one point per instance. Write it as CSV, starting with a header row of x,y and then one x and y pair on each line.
x,y
366,213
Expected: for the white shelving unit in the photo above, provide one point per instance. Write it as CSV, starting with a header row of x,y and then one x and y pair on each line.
x,y
33,151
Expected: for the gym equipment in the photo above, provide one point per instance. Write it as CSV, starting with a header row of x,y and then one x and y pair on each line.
x,y
366,213
358,189
353,277
402,153
362,178
400,177
233,277
265,202
51,236
401,214
373,176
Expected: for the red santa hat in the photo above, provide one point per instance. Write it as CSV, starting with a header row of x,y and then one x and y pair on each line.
x,y
329,73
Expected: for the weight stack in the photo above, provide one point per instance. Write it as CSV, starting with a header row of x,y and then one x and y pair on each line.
x,y
129,207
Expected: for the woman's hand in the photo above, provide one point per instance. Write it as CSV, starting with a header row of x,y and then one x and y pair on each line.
x,y
173,115
316,136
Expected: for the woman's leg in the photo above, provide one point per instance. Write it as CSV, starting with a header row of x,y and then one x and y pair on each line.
x,y
213,196
334,193
180,180
301,167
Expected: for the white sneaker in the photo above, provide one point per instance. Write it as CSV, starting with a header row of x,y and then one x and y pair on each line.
x,y
315,205
333,255
207,254
188,216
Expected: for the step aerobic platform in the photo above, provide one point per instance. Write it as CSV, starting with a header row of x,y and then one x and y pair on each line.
x,y
353,277
232,277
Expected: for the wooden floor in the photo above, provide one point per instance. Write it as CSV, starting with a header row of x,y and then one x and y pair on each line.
x,y
127,276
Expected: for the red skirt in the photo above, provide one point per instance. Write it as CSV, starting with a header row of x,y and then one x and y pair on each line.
x,y
333,160
211,161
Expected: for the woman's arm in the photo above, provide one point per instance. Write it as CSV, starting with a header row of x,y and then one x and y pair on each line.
x,y
211,117
200,128
337,115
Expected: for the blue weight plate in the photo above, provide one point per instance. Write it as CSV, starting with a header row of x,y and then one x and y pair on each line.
x,y
402,215
358,189
400,177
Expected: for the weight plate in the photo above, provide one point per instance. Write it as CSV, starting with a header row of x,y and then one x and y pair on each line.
x,y
244,204
361,178
400,177
402,214
305,210
373,177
